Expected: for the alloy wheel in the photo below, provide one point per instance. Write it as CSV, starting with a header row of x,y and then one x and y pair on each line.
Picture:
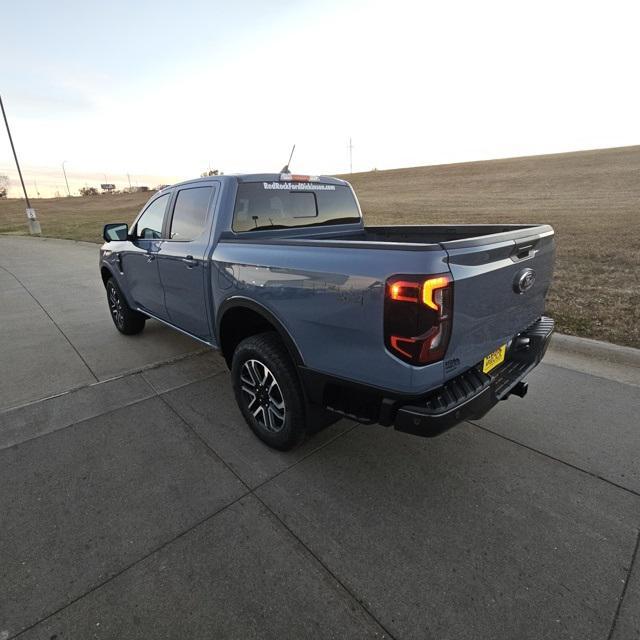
x,y
262,395
115,306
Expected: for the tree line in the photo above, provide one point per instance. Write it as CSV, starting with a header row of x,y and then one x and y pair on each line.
x,y
94,191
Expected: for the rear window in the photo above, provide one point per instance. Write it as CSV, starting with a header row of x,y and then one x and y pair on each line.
x,y
281,205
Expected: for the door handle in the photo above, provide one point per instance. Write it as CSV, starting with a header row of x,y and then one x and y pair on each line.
x,y
150,257
190,262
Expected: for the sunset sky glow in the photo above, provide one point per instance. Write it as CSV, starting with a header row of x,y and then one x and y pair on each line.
x,y
164,90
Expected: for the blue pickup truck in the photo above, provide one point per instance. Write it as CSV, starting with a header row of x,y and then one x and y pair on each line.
x,y
320,316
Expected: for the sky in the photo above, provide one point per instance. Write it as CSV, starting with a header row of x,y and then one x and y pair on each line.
x,y
164,90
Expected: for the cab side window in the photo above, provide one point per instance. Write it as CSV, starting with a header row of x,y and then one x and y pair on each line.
x,y
149,225
190,213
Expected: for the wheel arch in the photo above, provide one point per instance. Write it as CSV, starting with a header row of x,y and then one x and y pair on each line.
x,y
239,317
105,274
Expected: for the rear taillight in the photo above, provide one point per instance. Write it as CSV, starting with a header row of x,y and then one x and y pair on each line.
x,y
417,317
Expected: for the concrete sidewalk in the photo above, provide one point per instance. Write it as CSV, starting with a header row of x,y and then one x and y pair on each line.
x,y
55,330
143,507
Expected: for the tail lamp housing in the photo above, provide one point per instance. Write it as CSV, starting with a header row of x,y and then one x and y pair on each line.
x,y
418,312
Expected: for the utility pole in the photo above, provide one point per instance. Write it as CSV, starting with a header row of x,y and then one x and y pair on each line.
x,y
34,225
129,179
350,147
65,178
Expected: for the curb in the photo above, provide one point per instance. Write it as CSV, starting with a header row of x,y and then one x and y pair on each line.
x,y
612,353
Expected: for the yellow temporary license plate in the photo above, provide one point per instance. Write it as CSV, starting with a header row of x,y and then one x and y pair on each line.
x,y
494,359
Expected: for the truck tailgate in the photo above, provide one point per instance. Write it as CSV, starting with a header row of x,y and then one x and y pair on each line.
x,y
500,283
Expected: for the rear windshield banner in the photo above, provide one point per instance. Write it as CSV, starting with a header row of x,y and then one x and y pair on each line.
x,y
298,186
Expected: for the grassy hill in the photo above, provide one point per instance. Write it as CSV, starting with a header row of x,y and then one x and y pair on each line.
x,y
592,198
72,218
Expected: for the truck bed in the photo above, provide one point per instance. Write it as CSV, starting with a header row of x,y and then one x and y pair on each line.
x,y
410,237
437,234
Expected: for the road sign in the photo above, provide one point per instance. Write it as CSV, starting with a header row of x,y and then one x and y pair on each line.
x,y
34,225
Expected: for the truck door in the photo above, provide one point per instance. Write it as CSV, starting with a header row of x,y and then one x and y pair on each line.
x,y
139,262
182,259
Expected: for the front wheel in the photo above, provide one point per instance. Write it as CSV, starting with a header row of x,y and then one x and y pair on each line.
x,y
268,391
126,319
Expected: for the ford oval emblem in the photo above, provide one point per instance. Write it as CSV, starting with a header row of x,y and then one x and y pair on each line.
x,y
524,280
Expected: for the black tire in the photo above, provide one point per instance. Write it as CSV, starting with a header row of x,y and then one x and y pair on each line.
x,y
127,320
258,362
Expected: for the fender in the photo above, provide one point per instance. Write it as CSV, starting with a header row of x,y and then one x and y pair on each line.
x,y
234,302
117,276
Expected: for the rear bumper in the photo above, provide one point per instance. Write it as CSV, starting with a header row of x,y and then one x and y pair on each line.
x,y
471,394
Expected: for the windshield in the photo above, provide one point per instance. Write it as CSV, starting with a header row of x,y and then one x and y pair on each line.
x,y
282,205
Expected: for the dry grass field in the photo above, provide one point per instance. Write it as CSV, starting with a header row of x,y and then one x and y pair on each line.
x,y
72,218
592,199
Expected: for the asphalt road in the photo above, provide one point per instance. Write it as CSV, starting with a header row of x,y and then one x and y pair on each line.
x,y
135,503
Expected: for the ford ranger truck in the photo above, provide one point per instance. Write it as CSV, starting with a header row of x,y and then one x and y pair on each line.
x,y
317,315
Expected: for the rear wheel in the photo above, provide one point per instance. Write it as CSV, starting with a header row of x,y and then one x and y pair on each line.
x,y
268,391
126,319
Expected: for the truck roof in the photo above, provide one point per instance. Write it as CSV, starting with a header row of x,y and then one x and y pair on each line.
x,y
256,177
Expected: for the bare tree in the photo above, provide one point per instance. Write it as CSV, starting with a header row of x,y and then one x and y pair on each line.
x,y
4,186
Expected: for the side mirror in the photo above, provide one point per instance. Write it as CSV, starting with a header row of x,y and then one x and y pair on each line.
x,y
115,231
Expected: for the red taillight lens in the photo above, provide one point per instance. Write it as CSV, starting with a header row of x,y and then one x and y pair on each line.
x,y
417,317
404,291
